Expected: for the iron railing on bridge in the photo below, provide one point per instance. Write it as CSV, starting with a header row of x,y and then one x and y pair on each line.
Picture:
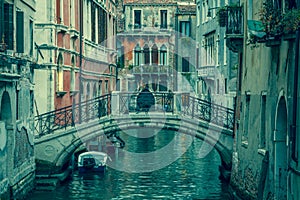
x,y
207,111
163,101
69,116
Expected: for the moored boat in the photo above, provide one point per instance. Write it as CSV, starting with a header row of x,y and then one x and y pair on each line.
x,y
92,161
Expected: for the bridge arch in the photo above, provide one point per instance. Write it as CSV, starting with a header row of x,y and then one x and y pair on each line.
x,y
220,139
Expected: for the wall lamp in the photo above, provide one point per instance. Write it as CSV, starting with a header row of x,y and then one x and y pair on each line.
x,y
209,11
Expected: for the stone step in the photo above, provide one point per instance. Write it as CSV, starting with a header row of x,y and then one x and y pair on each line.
x,y
46,184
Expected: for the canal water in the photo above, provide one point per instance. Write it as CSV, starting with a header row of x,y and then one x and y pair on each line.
x,y
153,165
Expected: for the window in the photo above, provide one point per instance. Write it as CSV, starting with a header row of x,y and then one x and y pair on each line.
x,y
163,55
246,118
137,55
185,28
59,77
154,54
146,55
163,19
87,95
226,85
72,13
263,123
106,86
102,28
93,22
31,37
61,11
18,104
198,15
9,26
197,57
210,52
20,32
137,19
225,51
185,64
100,88
72,79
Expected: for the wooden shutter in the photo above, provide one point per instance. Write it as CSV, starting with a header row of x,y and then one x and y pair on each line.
x,y
20,32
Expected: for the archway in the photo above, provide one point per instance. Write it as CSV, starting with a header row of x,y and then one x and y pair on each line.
x,y
5,120
280,150
6,113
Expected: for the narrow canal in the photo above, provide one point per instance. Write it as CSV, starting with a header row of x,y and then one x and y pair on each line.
x,y
194,175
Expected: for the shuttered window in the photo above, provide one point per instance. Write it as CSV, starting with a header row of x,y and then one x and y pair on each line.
x,y
20,32
185,64
8,26
93,21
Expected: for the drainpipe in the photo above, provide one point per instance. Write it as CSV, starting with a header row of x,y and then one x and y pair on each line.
x,y
80,54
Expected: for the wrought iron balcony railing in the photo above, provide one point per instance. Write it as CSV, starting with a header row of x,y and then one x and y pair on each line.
x,y
234,23
150,69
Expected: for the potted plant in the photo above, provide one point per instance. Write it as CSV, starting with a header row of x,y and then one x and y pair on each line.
x,y
271,19
291,22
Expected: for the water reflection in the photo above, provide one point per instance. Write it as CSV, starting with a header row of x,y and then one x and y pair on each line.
x,y
189,177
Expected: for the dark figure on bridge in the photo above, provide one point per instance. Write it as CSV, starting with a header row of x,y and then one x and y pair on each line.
x,y
145,100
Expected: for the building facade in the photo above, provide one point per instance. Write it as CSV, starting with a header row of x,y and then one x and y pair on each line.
x,y
17,63
265,159
148,36
216,65
146,47
76,61
185,47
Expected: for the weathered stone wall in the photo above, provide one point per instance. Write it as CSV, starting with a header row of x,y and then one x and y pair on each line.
x,y
267,73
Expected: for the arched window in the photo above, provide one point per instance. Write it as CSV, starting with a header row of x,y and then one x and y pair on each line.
x,y
87,92
163,55
95,90
154,54
146,54
59,77
137,55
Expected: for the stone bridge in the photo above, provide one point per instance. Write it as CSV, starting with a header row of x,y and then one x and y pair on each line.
x,y
60,133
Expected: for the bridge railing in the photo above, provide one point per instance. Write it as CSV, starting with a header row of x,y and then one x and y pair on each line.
x,y
69,116
207,111
163,102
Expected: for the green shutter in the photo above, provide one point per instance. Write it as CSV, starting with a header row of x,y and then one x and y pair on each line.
x,y
20,32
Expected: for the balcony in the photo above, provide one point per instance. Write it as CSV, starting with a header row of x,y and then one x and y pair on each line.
x,y
234,28
151,69
13,68
206,72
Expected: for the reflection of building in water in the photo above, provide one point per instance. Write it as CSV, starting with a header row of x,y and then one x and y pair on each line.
x,y
146,45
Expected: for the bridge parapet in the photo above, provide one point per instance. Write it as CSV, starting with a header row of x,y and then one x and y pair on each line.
x,y
119,103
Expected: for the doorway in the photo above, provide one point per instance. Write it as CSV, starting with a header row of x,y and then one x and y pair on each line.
x,y
281,151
